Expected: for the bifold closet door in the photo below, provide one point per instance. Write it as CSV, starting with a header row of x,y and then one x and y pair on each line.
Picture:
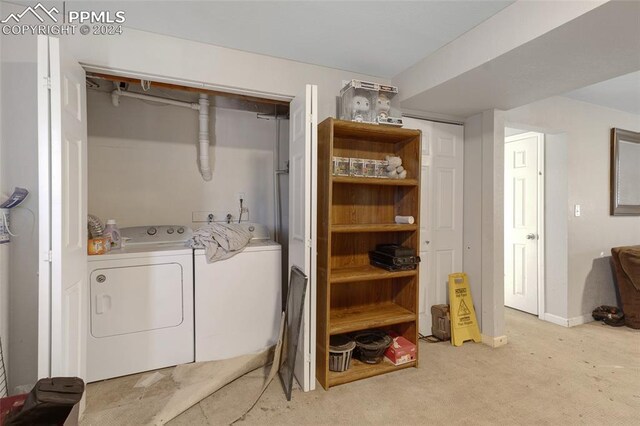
x,y
303,151
441,210
62,152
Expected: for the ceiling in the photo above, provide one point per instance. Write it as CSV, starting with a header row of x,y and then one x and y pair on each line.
x,y
565,59
378,38
621,93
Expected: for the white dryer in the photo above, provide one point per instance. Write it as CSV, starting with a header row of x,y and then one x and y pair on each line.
x,y
141,303
238,301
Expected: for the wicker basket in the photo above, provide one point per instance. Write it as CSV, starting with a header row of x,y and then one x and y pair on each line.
x,y
340,350
371,345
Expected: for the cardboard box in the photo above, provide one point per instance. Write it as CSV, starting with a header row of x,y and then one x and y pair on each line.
x,y
401,350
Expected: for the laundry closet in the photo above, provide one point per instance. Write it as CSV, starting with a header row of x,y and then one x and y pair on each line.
x,y
162,162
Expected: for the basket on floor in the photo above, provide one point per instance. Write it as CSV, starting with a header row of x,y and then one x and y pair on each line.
x,y
340,351
371,345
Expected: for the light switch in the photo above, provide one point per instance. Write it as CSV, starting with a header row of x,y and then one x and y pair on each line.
x,y
576,210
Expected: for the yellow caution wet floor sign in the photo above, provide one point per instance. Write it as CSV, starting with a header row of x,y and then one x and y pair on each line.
x,y
464,325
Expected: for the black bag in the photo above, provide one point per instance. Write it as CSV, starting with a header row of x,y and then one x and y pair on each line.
x,y
49,402
611,315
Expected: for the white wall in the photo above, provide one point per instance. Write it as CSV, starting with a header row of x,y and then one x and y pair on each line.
x,y
472,205
143,163
556,234
19,168
483,230
592,235
4,255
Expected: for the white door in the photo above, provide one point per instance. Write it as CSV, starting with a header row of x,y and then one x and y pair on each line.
x,y
303,150
440,210
63,155
521,231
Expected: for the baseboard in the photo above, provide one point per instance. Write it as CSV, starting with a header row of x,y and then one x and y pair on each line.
x,y
494,342
582,319
555,319
567,322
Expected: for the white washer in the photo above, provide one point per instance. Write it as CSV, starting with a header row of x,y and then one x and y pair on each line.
x,y
238,301
141,303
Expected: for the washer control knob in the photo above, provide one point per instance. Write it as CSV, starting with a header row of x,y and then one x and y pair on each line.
x,y
152,231
170,231
180,230
101,278
252,228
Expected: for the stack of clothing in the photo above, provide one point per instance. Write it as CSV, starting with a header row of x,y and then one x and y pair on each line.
x,y
221,240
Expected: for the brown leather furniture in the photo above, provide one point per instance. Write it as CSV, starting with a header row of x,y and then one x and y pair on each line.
x,y
627,265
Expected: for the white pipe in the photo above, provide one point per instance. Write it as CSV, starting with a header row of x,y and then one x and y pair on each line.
x,y
205,167
117,93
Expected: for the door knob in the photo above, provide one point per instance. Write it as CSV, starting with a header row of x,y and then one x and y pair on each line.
x,y
531,236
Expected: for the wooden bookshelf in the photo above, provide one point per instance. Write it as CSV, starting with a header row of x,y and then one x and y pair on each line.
x,y
356,318
374,181
367,272
373,227
360,370
354,215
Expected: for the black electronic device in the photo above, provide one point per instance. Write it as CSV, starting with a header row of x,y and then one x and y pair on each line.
x,y
395,250
393,260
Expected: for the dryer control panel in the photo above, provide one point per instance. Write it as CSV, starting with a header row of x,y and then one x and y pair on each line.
x,y
156,234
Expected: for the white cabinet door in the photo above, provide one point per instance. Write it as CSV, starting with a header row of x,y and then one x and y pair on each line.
x,y
63,150
303,151
440,211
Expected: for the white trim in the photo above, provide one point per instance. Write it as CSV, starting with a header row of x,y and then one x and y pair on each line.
x,y
187,83
44,212
567,322
541,230
555,319
582,319
494,342
431,116
313,233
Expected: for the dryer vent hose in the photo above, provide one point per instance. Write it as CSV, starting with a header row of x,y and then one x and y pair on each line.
x,y
96,228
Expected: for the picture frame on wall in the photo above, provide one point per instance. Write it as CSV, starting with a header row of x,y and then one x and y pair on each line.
x,y
625,173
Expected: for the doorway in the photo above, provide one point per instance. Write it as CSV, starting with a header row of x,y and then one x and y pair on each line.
x,y
524,221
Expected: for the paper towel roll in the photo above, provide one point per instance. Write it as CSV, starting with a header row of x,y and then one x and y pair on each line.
x,y
405,219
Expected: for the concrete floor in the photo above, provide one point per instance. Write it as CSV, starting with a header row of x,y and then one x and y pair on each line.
x,y
546,374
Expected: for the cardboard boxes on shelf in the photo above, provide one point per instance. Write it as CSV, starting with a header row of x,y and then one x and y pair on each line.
x,y
401,350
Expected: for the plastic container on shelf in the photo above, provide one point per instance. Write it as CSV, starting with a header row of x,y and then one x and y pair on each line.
x,y
371,345
111,230
340,350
